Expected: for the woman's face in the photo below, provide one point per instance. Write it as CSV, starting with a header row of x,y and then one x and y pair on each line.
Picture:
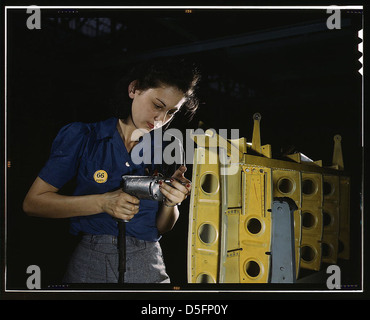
x,y
154,107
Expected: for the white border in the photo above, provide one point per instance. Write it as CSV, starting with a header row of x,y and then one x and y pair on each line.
x,y
191,7
56,7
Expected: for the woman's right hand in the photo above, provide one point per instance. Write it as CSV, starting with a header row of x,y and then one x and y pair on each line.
x,y
120,205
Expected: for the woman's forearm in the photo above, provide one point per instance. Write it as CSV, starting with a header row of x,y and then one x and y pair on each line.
x,y
43,200
54,205
166,218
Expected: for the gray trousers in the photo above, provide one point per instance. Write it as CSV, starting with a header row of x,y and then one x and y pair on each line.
x,y
95,260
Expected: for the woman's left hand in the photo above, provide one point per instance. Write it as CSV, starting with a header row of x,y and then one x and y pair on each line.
x,y
179,190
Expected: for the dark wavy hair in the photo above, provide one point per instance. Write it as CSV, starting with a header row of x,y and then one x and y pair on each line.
x,y
175,72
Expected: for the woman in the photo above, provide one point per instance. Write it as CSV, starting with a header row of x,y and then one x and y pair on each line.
x,y
97,155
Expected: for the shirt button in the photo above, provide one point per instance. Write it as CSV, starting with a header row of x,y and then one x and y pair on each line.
x,y
127,164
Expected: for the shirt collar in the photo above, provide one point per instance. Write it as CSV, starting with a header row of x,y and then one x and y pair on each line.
x,y
107,128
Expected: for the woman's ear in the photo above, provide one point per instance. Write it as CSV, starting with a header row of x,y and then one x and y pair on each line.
x,y
131,89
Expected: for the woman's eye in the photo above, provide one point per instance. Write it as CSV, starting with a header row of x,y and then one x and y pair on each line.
x,y
157,107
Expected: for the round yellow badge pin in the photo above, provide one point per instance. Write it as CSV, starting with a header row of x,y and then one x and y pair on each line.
x,y
100,176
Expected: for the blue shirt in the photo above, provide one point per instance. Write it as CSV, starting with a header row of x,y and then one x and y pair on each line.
x,y
94,154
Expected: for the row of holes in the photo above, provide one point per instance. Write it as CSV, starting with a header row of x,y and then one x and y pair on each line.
x,y
252,268
209,184
208,234
309,220
308,254
309,187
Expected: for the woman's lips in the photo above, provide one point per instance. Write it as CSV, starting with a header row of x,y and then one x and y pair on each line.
x,y
151,126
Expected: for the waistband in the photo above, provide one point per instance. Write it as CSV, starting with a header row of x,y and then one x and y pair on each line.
x,y
100,238
111,239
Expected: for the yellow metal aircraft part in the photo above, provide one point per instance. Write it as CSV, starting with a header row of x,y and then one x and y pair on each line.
x,y
204,221
331,218
287,183
312,220
230,211
255,225
344,219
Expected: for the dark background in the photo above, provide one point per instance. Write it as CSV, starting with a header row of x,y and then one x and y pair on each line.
x,y
285,64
